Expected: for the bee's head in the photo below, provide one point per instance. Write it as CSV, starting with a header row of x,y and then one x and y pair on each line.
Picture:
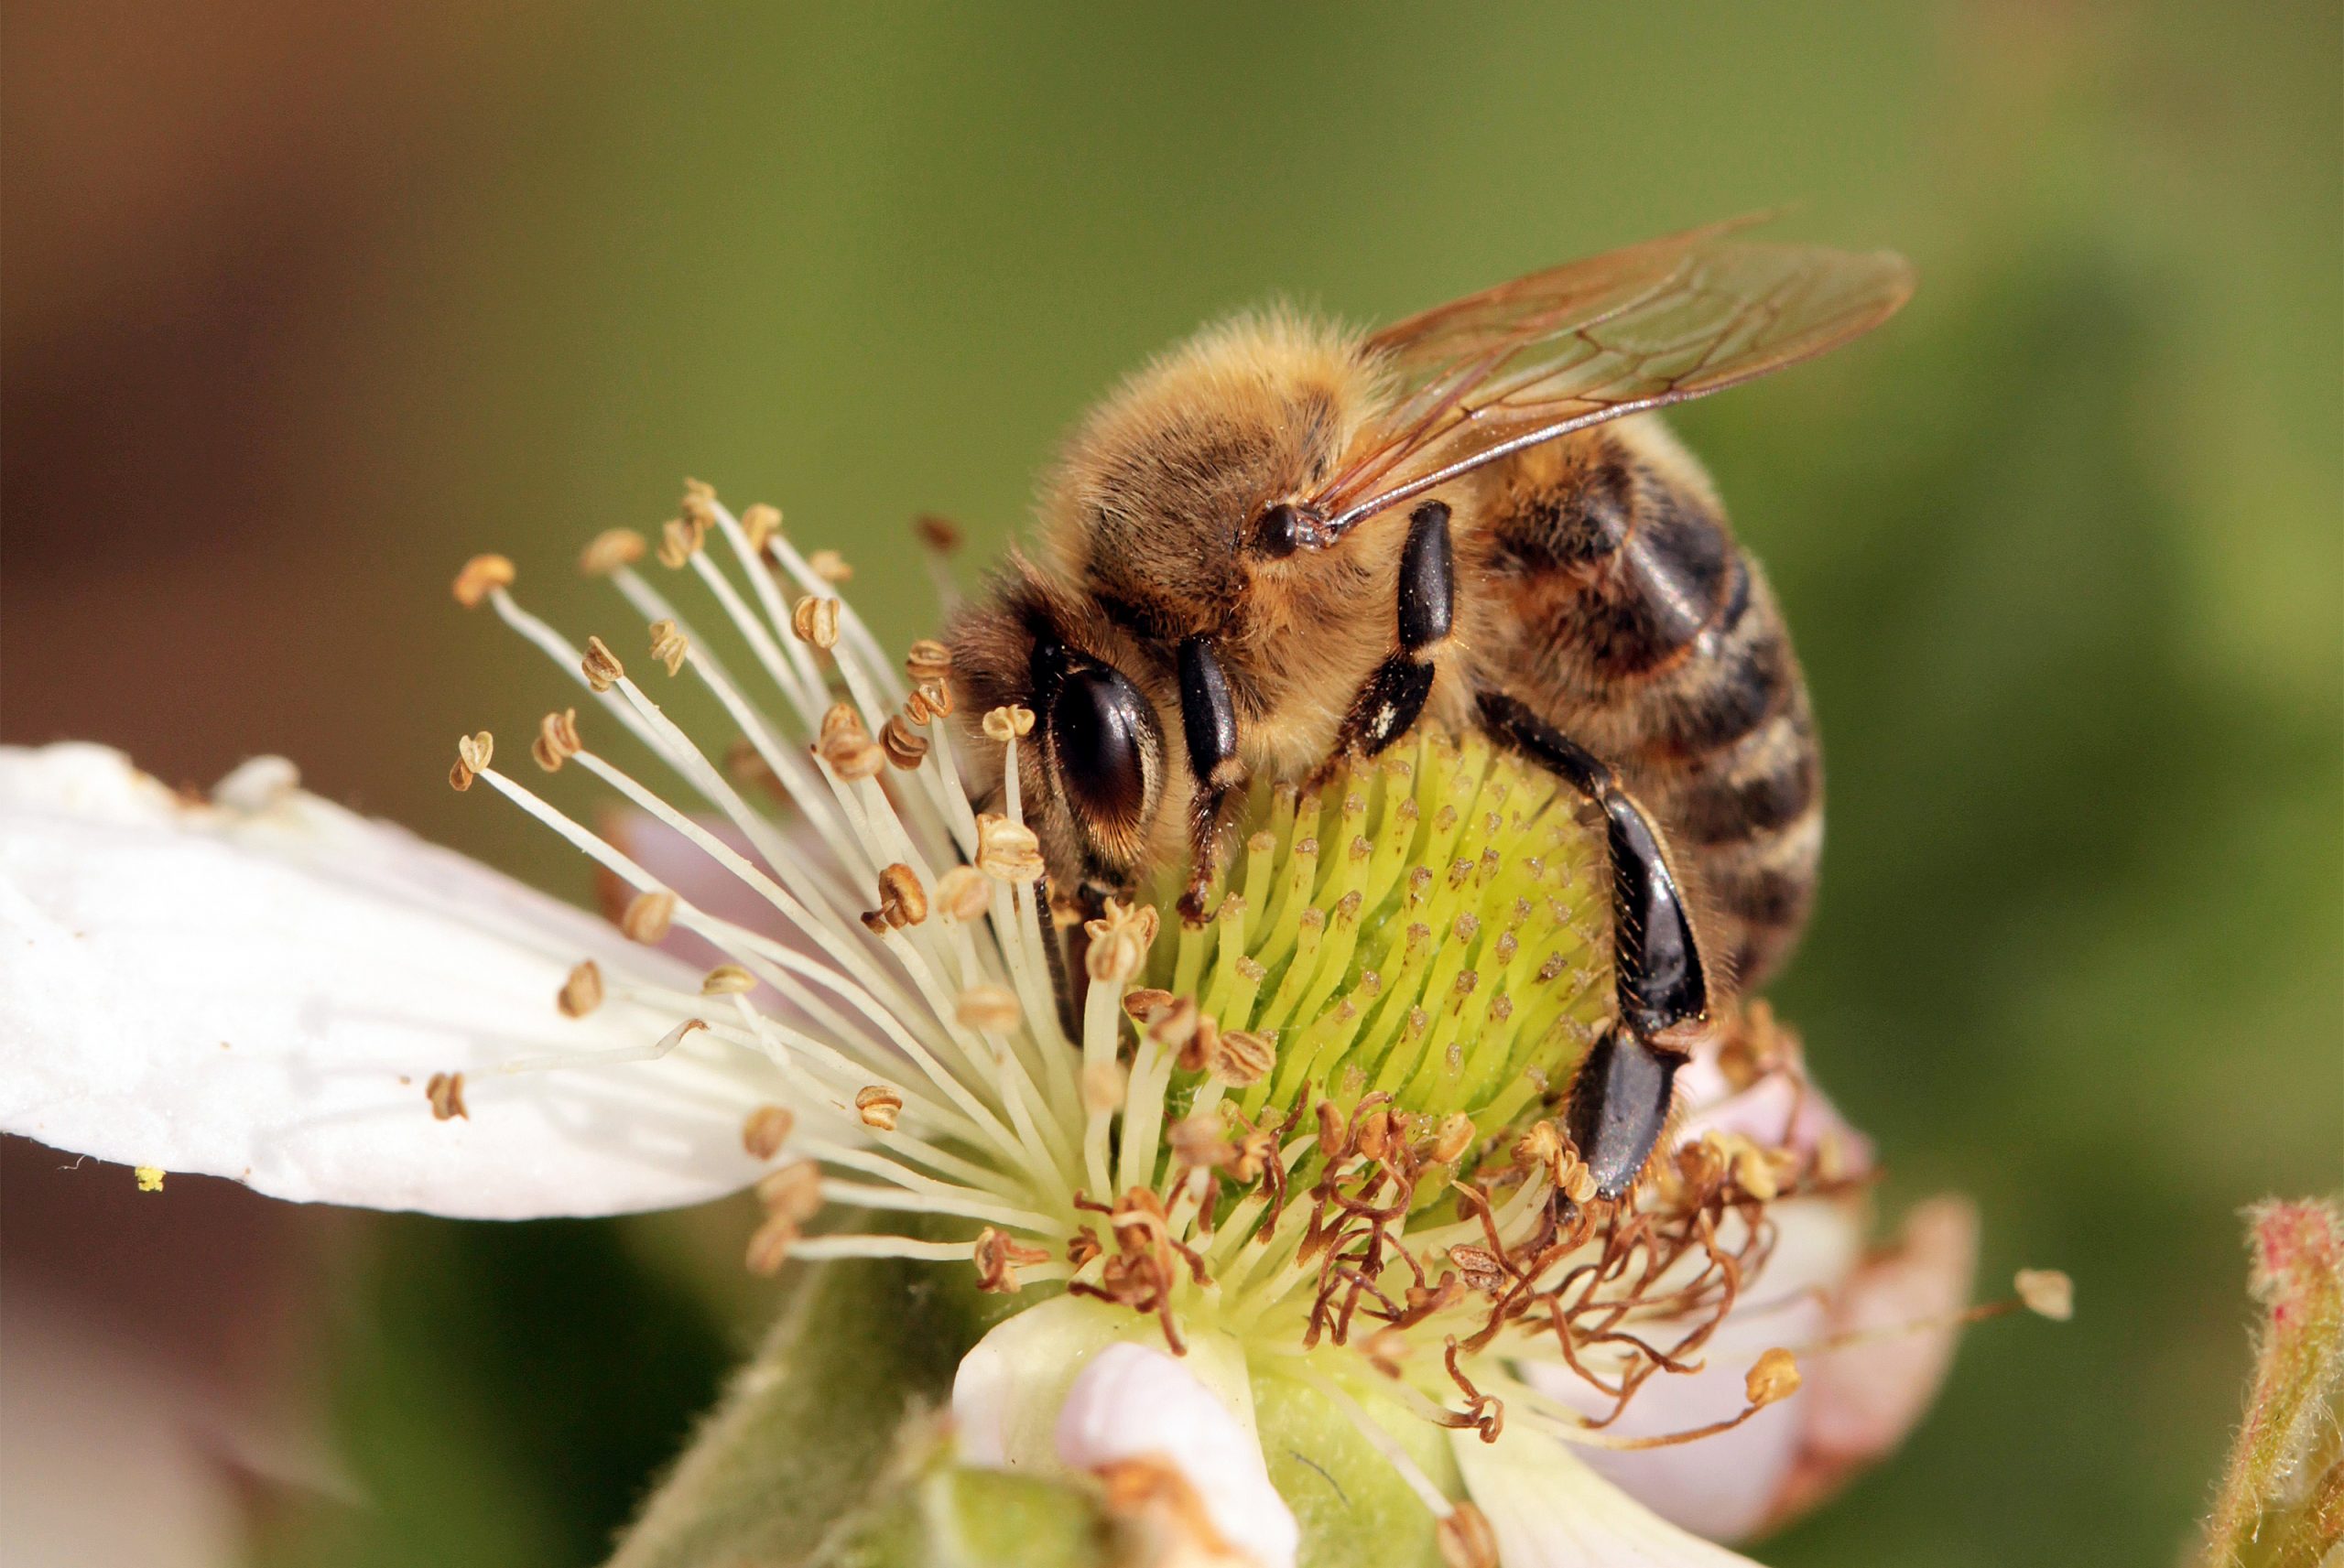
x,y
1176,488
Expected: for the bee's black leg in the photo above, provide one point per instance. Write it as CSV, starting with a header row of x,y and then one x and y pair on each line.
x,y
1390,703
1209,724
1619,1102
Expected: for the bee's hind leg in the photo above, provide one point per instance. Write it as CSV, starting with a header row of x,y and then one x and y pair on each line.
x,y
1620,1100
1392,701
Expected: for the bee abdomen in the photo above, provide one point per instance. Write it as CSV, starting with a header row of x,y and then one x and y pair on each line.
x,y
1647,634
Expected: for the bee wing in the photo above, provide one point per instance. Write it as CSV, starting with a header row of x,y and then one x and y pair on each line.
x,y
1641,327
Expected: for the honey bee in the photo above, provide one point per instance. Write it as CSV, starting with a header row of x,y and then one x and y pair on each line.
x,y
1283,543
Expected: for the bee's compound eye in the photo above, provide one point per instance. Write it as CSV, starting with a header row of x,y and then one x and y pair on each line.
x,y
1278,531
1103,741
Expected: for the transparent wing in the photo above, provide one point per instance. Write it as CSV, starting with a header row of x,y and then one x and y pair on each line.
x,y
1631,329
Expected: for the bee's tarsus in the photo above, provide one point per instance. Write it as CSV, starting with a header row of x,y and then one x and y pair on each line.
x,y
1619,1102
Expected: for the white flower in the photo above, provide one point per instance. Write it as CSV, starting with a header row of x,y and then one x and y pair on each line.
x,y
1278,1171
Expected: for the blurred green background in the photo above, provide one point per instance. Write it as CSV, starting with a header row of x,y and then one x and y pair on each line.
x,y
307,302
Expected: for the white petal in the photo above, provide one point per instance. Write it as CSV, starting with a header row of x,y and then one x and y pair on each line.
x,y
1729,1486
1550,1511
260,989
1135,1402
1074,1384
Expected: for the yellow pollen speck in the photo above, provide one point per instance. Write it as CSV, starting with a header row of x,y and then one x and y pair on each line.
x,y
482,576
1774,1376
879,1105
609,550
600,667
2048,1292
150,1178
648,916
670,646
581,993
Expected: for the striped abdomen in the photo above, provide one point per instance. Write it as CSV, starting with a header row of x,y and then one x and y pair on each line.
x,y
1630,619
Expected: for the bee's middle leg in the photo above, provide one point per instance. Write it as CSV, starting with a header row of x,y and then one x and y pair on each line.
x,y
1620,1100
1389,705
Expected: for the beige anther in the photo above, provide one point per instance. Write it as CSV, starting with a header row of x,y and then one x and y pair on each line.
x,y
962,894
446,1093
904,746
1007,851
482,576
2048,1292
879,1105
829,566
1539,1147
937,695
997,1258
727,979
856,759
557,739
760,522
1194,1036
648,916
472,754
680,539
927,660
815,621
842,720
609,550
939,534
988,1008
699,501
1453,1138
1102,1086
581,993
1005,724
1245,1058
1143,1002
670,646
792,1192
1774,1377
1119,942
1574,1180
600,667
766,1130
902,900
769,1247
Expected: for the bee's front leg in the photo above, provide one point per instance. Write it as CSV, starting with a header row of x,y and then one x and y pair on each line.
x,y
1620,1100
1389,705
1209,724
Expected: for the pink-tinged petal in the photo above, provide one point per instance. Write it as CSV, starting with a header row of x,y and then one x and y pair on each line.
x,y
1135,1402
261,987
1548,1510
1862,1399
1779,1109
1729,1486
